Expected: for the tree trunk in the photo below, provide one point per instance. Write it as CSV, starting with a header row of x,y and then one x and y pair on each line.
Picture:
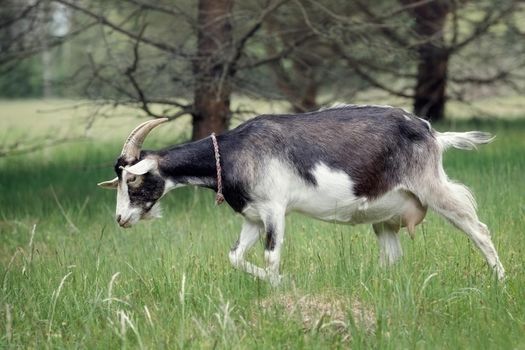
x,y
306,84
212,75
298,87
297,84
308,100
430,90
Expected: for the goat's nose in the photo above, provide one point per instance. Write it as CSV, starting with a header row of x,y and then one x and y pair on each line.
x,y
118,218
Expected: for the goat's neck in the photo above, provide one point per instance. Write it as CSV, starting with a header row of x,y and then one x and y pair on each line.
x,y
192,163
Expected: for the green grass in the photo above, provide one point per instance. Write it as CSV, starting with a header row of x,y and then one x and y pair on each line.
x,y
82,282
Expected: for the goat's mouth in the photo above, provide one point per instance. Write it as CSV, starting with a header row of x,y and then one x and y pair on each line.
x,y
134,217
125,224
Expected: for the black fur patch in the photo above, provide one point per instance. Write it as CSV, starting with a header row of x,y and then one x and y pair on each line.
x,y
197,160
120,163
149,191
270,238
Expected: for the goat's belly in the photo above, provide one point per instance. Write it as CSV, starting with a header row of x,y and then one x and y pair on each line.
x,y
396,205
328,209
331,199
399,205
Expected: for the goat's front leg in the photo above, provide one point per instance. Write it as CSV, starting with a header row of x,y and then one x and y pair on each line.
x,y
249,235
274,227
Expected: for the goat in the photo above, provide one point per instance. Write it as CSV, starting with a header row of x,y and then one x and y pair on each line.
x,y
352,164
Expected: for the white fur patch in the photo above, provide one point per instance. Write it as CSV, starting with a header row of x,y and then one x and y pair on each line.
x,y
170,185
332,199
128,214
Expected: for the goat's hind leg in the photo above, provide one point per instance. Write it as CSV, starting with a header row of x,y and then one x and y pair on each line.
x,y
389,246
455,202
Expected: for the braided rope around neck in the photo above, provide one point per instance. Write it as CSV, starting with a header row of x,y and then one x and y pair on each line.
x,y
219,198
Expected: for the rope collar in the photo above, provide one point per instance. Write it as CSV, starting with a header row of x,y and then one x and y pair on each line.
x,y
219,197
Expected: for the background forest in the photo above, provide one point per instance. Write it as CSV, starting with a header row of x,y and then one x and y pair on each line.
x,y
174,58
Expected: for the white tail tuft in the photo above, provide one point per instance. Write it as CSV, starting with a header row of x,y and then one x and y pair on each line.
x,y
463,140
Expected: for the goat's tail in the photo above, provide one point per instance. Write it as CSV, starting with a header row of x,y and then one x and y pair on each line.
x,y
463,140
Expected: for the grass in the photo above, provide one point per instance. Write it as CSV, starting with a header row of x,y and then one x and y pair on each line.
x,y
70,278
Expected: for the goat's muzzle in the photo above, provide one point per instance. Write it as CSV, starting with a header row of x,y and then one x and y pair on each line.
x,y
123,223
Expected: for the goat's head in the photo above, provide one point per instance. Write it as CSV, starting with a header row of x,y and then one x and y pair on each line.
x,y
139,183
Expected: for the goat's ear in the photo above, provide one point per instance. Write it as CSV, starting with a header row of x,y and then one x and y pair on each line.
x,y
142,167
111,184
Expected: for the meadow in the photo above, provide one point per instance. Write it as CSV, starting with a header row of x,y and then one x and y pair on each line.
x,y
71,278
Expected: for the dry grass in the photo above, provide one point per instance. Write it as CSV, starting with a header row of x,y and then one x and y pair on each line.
x,y
323,312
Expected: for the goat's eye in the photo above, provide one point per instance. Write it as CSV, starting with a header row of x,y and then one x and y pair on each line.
x,y
133,180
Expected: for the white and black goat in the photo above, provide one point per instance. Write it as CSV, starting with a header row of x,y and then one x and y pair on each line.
x,y
350,164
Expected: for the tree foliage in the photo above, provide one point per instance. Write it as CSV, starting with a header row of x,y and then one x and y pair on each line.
x,y
176,57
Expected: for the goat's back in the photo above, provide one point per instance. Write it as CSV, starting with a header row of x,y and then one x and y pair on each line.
x,y
373,145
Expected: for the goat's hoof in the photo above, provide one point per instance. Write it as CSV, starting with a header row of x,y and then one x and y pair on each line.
x,y
502,278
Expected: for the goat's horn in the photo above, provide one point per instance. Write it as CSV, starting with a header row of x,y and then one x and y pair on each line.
x,y
133,144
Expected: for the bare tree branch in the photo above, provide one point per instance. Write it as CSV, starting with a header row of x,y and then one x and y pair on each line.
x,y
130,71
23,14
483,26
279,55
20,55
104,21
21,147
385,30
241,42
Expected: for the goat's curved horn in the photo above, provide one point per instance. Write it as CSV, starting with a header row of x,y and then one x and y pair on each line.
x,y
133,144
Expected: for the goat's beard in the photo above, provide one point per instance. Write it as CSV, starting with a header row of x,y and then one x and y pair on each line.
x,y
154,213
